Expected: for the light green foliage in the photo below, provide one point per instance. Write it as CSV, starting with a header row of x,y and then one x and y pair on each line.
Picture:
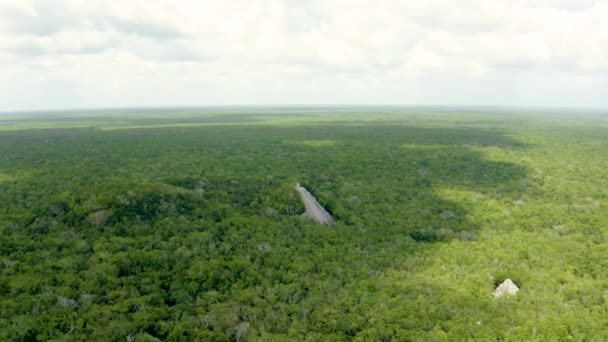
x,y
185,226
315,143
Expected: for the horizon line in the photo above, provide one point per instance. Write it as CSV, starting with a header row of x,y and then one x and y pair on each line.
x,y
304,106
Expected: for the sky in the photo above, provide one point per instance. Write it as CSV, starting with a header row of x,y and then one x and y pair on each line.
x,y
69,54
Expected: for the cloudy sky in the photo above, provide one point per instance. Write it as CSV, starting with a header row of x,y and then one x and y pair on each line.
x,y
129,53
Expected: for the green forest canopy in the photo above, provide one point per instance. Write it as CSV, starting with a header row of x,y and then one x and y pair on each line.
x,y
185,226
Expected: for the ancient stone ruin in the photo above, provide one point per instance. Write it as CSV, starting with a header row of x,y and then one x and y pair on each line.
x,y
507,287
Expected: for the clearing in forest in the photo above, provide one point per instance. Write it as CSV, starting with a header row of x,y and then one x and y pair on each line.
x,y
314,210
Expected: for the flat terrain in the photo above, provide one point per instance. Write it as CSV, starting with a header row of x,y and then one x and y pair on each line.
x,y
184,225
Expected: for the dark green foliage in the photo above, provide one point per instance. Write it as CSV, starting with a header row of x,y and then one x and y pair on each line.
x,y
194,233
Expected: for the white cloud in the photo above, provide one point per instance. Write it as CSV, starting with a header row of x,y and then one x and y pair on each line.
x,y
96,53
